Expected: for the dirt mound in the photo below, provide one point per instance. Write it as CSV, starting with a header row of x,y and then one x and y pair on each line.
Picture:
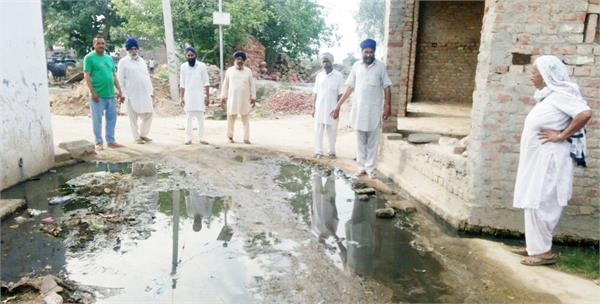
x,y
290,102
71,102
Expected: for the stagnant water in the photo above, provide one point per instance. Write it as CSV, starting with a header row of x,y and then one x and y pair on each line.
x,y
191,242
355,240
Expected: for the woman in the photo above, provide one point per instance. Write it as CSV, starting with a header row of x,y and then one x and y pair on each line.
x,y
552,139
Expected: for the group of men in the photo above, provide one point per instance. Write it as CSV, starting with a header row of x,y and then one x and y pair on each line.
x,y
368,79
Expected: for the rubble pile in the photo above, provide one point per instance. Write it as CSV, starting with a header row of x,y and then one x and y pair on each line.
x,y
290,102
286,69
255,52
46,289
71,103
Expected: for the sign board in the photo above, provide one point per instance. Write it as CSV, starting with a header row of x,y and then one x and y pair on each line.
x,y
221,18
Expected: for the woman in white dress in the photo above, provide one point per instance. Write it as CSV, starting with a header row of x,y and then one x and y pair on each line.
x,y
553,139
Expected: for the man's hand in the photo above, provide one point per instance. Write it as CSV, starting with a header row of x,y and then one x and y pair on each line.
x,y
253,102
223,101
120,98
206,101
94,96
181,102
387,112
335,113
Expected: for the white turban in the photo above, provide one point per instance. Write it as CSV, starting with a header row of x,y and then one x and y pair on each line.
x,y
328,56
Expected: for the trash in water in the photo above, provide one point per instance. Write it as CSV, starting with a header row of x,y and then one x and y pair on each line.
x,y
61,199
47,220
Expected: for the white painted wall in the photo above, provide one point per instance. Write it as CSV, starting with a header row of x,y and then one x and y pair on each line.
x,y
25,129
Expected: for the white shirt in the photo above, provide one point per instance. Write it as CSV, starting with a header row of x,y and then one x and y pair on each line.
x,y
136,84
327,88
324,220
368,83
199,204
193,80
542,166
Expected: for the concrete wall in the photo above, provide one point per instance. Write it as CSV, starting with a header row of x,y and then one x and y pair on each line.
x,y
446,51
25,131
514,33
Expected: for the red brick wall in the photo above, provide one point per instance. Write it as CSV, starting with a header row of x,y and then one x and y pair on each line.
x,y
447,47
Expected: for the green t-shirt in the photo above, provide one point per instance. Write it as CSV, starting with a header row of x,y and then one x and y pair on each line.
x,y
101,68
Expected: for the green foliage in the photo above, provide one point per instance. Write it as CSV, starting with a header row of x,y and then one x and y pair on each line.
x,y
143,20
370,19
74,24
295,27
579,260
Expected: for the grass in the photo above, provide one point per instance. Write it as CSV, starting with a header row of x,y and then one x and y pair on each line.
x,y
582,261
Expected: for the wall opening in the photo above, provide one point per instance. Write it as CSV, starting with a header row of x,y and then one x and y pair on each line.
x,y
447,45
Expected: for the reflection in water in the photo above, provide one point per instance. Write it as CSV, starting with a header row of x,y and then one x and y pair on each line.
x,y
362,244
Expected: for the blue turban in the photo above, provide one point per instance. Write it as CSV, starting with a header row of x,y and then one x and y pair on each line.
x,y
368,43
239,54
190,49
131,43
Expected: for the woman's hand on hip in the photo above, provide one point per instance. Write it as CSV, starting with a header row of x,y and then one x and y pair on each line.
x,y
549,136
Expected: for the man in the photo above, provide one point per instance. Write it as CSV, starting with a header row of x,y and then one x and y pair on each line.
x,y
101,79
370,81
193,81
138,90
239,93
329,87
200,207
151,65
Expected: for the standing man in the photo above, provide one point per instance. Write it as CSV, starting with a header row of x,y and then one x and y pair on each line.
x,y
101,79
370,80
137,89
239,93
329,87
151,65
193,86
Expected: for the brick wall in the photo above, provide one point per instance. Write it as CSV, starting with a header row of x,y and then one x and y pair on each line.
x,y
503,93
447,47
523,29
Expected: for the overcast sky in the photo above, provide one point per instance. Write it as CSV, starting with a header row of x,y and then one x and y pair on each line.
x,y
341,13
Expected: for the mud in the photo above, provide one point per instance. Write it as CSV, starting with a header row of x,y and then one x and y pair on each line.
x,y
245,226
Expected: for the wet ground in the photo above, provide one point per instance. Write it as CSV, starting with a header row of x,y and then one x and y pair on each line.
x,y
275,231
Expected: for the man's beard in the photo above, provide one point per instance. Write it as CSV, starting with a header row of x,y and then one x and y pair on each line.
x,y
368,60
192,61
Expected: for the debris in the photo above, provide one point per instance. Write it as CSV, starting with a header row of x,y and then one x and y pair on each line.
x,y
385,212
35,212
459,150
394,137
367,191
143,169
45,289
290,102
47,220
464,142
19,219
403,205
78,148
357,184
423,138
363,197
420,270
447,141
61,199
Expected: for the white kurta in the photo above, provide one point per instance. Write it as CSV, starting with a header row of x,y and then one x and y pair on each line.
x,y
368,83
136,84
199,204
536,159
239,88
327,88
193,80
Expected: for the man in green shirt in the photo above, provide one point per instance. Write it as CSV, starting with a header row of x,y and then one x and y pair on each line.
x,y
101,79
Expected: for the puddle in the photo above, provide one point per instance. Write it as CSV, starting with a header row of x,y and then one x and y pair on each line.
x,y
187,242
355,240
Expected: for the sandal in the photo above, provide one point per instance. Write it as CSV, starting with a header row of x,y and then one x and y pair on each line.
x,y
537,260
522,251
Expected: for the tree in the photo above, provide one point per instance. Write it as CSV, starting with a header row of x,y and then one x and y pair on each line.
x,y
74,24
370,19
294,27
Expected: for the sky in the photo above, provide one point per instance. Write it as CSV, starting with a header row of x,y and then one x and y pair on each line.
x,y
341,13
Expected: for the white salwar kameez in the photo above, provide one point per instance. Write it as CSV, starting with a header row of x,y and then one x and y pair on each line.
x,y
545,175
328,87
194,80
368,83
137,88
239,88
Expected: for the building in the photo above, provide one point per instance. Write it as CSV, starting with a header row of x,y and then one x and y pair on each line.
x,y
476,57
26,143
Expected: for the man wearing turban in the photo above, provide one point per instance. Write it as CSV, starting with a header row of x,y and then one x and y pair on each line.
x,y
370,81
137,90
329,87
193,88
239,93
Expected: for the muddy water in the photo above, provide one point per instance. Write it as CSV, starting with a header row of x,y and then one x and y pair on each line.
x,y
355,240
